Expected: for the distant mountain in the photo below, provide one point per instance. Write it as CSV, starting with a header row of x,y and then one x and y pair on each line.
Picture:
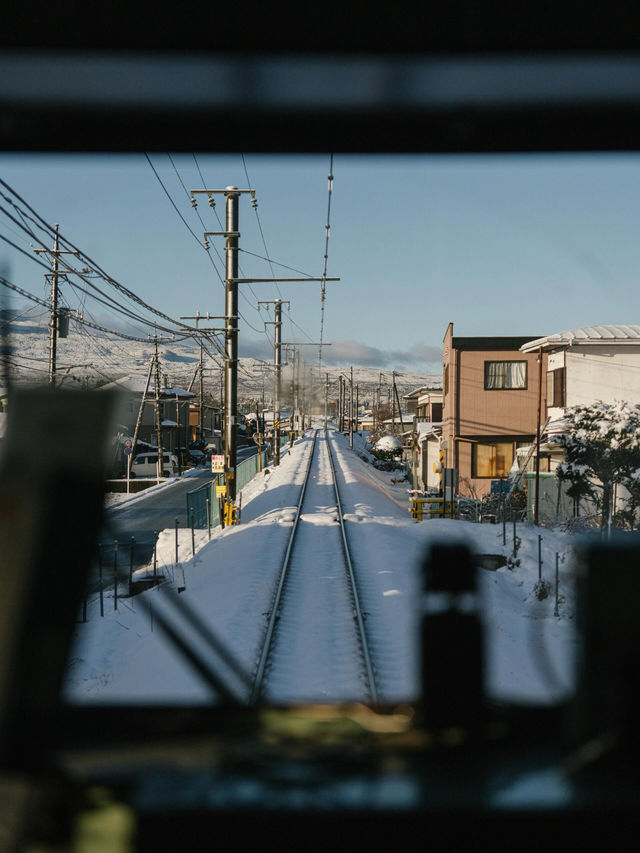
x,y
90,358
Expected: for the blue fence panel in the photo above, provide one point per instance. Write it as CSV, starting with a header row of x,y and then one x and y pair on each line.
x,y
197,499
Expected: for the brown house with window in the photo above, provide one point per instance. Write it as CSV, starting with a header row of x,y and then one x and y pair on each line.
x,y
490,406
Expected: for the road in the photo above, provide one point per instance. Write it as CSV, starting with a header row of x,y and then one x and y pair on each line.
x,y
143,519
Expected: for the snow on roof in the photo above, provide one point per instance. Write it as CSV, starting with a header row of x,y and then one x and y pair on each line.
x,y
426,428
168,423
624,335
178,392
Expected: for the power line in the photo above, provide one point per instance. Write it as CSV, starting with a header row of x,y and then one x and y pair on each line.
x,y
96,267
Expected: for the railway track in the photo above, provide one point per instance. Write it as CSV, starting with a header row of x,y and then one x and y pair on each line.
x,y
315,645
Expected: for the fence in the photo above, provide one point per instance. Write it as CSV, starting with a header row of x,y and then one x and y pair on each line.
x,y
202,503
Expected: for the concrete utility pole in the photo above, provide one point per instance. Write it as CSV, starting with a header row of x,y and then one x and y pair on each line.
x,y
393,403
53,302
53,318
296,366
231,235
277,362
200,369
201,406
351,409
160,467
326,397
395,391
136,431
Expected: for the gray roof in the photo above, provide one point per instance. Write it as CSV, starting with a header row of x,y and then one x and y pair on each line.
x,y
621,335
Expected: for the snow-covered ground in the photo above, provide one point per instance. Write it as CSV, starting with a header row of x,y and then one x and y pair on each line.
x,y
124,657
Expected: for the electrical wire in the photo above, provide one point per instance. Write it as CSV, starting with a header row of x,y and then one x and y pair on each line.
x,y
96,267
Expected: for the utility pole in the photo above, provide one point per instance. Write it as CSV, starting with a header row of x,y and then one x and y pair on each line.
x,y
395,390
53,302
201,406
393,403
136,431
53,318
295,373
231,235
351,409
326,397
160,468
277,362
200,369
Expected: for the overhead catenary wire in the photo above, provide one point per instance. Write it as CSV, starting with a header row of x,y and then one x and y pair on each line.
x,y
267,256
220,277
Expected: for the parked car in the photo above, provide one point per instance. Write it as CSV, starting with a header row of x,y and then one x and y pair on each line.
x,y
196,457
146,465
190,456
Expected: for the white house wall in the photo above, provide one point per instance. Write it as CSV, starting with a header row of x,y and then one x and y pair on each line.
x,y
596,373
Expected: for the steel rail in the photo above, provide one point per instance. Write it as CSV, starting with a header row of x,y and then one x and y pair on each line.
x,y
352,578
275,607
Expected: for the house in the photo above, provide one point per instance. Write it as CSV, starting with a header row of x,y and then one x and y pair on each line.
x,y
412,399
588,364
583,365
427,439
491,391
174,411
429,405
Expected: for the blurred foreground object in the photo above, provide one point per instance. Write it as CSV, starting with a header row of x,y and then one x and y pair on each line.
x,y
51,495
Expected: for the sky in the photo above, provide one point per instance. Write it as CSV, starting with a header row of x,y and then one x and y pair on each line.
x,y
496,244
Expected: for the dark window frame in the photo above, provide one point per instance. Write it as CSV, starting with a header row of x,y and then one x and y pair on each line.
x,y
508,361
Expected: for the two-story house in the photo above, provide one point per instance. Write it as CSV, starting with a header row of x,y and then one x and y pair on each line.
x,y
589,364
490,406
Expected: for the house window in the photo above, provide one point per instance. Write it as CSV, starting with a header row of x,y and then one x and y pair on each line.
x,y
445,384
556,387
436,413
505,375
492,460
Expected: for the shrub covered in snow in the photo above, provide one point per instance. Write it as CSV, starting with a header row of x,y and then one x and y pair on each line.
x,y
389,443
602,449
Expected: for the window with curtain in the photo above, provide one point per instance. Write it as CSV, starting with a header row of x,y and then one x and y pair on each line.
x,y
492,460
505,375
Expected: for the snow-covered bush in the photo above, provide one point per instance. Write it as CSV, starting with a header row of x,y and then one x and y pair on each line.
x,y
602,449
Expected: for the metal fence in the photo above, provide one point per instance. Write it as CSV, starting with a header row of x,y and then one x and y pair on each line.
x,y
203,502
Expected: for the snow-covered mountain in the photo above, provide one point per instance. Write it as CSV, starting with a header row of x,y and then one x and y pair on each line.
x,y
90,358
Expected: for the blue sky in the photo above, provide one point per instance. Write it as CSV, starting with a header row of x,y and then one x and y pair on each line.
x,y
500,245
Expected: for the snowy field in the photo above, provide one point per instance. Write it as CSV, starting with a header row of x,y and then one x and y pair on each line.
x,y
229,582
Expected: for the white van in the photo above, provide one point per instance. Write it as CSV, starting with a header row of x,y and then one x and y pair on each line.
x,y
146,465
